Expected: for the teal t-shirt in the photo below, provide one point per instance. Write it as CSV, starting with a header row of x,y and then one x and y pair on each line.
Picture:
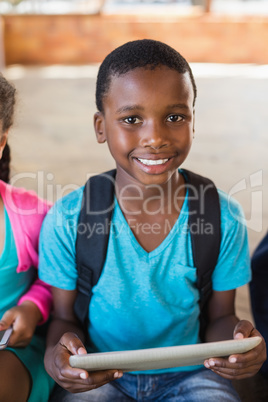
x,y
12,284
142,300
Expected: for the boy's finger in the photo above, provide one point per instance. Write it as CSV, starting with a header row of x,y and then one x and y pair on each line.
x,y
246,361
72,343
234,375
80,385
243,329
224,365
103,377
236,371
90,378
253,356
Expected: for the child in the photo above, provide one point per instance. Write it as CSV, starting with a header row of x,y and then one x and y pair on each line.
x,y
147,295
25,299
258,291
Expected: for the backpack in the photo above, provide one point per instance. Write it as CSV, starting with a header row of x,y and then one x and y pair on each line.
x,y
258,292
98,195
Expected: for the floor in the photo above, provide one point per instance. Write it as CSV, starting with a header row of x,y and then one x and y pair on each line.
x,y
54,147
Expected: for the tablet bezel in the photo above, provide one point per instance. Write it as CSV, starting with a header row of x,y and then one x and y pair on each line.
x,y
162,358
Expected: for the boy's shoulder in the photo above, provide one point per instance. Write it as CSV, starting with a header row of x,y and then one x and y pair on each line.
x,y
231,210
70,204
64,212
60,224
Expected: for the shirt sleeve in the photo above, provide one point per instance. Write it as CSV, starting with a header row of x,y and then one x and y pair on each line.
x,y
233,266
57,257
40,294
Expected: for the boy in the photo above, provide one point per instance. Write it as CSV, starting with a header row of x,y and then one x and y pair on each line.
x,y
258,291
147,295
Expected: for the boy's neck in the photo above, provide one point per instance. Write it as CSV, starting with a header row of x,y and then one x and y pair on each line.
x,y
137,198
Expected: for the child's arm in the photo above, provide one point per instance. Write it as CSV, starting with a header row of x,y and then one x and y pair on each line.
x,y
39,294
24,319
65,339
33,308
223,324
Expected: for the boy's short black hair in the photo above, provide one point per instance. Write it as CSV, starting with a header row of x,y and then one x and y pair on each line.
x,y
146,53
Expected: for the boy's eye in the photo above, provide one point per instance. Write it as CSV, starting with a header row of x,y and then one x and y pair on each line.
x,y
174,118
132,120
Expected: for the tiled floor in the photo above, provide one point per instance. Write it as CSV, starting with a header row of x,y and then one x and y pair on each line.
x,y
54,147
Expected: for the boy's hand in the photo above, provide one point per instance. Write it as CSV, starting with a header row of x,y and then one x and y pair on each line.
x,y
23,319
72,379
244,365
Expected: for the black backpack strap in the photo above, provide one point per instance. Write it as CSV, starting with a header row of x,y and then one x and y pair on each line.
x,y
92,238
205,229
204,225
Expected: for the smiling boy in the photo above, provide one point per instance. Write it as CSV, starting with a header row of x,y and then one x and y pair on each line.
x,y
147,294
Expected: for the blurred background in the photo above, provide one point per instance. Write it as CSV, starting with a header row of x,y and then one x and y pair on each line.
x,y
51,51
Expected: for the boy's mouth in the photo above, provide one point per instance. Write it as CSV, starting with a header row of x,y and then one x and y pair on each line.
x,y
152,162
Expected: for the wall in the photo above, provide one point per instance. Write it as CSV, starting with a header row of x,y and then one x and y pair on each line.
x,y
80,39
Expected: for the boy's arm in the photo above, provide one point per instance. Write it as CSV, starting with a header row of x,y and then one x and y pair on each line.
x,y
223,324
64,339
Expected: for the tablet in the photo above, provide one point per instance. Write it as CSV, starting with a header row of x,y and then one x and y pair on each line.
x,y
161,358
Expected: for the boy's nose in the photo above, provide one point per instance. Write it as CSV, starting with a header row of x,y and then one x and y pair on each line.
x,y
154,136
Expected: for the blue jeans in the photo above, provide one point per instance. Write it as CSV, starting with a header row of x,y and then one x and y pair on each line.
x,y
194,386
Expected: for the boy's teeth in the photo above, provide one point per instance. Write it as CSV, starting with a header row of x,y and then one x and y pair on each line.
x,y
153,162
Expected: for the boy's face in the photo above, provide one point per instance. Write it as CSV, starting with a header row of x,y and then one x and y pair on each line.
x,y
148,123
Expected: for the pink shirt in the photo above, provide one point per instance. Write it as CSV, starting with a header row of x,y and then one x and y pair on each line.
x,y
26,212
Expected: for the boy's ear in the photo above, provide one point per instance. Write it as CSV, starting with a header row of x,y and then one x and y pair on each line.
x,y
3,142
99,127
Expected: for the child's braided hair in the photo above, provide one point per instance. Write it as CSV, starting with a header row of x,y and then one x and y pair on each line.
x,y
7,104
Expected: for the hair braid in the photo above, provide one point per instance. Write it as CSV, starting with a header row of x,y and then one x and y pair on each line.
x,y
7,103
4,164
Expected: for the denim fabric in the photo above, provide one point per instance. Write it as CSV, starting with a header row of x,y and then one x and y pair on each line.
x,y
195,386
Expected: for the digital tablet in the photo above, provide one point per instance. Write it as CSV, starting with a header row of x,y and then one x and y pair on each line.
x,y
161,358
